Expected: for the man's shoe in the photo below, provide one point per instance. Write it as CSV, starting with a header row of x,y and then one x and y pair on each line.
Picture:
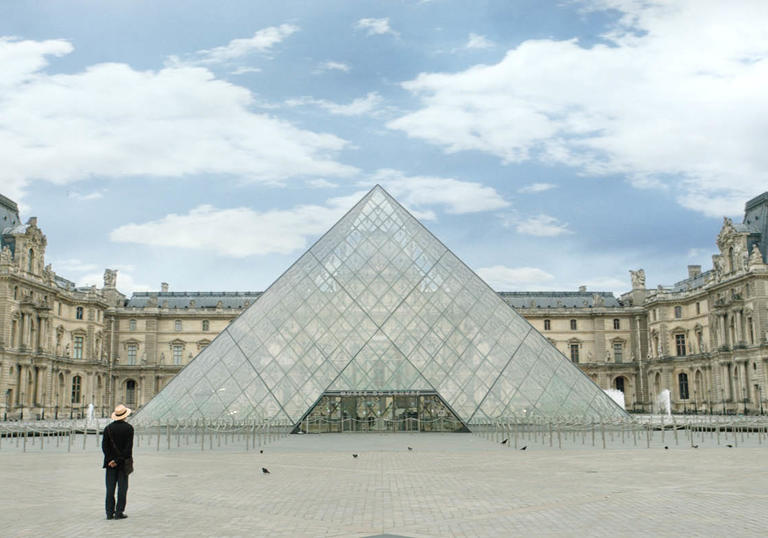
x,y
120,516
110,516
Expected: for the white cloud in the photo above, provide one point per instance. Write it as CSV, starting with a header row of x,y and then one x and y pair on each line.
x,y
536,187
72,265
243,70
676,96
455,196
95,195
321,184
230,232
476,41
502,278
111,120
542,226
333,66
359,107
261,41
125,282
375,26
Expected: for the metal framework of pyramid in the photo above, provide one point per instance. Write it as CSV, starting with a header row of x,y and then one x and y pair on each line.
x,y
379,305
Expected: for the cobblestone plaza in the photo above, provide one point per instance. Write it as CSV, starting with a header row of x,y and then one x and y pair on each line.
x,y
448,485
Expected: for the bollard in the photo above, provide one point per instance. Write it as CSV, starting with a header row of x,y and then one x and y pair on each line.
x,y
593,434
663,429
550,434
559,443
202,437
674,427
648,435
634,435
25,438
602,432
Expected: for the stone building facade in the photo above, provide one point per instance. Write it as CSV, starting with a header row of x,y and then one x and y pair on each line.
x,y
703,339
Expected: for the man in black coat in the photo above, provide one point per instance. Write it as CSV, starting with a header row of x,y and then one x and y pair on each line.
x,y
117,445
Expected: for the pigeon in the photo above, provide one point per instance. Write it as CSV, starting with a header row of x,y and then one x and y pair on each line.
x,y
504,442
354,455
666,448
526,446
729,446
261,452
695,446
410,448
265,470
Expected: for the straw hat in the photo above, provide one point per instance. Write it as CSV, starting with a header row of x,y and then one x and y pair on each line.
x,y
121,412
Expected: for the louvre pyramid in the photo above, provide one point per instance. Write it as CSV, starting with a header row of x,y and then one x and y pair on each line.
x,y
379,304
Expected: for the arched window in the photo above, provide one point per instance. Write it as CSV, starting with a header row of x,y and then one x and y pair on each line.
x,y
31,260
619,384
130,393
616,324
730,259
76,387
547,325
682,381
206,325
79,312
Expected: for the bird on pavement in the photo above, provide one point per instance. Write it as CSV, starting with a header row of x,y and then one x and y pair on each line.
x,y
729,446
526,446
265,470
666,448
410,448
354,455
504,442
261,452
695,446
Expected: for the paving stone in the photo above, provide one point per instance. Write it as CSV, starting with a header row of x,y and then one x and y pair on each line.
x,y
449,485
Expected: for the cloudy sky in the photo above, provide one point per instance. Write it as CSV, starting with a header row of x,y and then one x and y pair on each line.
x,y
548,144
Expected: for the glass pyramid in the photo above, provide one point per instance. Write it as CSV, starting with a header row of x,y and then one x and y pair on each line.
x,y
378,305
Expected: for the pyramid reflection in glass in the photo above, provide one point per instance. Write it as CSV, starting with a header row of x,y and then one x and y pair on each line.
x,y
378,305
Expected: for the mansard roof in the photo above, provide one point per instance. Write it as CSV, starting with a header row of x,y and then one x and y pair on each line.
x,y
559,299
203,299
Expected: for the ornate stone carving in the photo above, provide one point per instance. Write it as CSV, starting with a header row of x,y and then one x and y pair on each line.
x,y
638,279
755,258
6,256
110,278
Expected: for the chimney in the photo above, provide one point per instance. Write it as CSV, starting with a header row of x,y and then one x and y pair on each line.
x,y
582,289
694,271
164,287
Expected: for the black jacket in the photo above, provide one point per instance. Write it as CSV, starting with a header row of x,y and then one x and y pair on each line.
x,y
121,434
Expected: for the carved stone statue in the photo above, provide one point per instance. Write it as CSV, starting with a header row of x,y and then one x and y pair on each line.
x,y
755,258
739,256
110,278
638,279
719,262
48,272
5,255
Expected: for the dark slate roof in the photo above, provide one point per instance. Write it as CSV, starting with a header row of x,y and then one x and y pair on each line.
x,y
746,228
203,299
558,299
64,283
692,283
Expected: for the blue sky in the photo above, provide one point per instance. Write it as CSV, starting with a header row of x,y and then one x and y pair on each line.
x,y
548,144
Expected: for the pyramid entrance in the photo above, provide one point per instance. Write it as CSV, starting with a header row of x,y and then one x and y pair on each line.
x,y
378,316
379,411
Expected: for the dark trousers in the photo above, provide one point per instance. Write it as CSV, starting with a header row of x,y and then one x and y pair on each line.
x,y
116,477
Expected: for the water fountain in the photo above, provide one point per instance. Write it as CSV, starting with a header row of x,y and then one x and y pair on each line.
x,y
664,403
617,396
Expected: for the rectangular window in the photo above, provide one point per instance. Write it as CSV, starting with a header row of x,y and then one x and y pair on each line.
x,y
78,347
616,324
206,325
575,352
683,383
76,389
698,308
573,324
618,352
177,350
547,325
132,353
79,312
680,345
750,330
678,312
177,325
132,325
